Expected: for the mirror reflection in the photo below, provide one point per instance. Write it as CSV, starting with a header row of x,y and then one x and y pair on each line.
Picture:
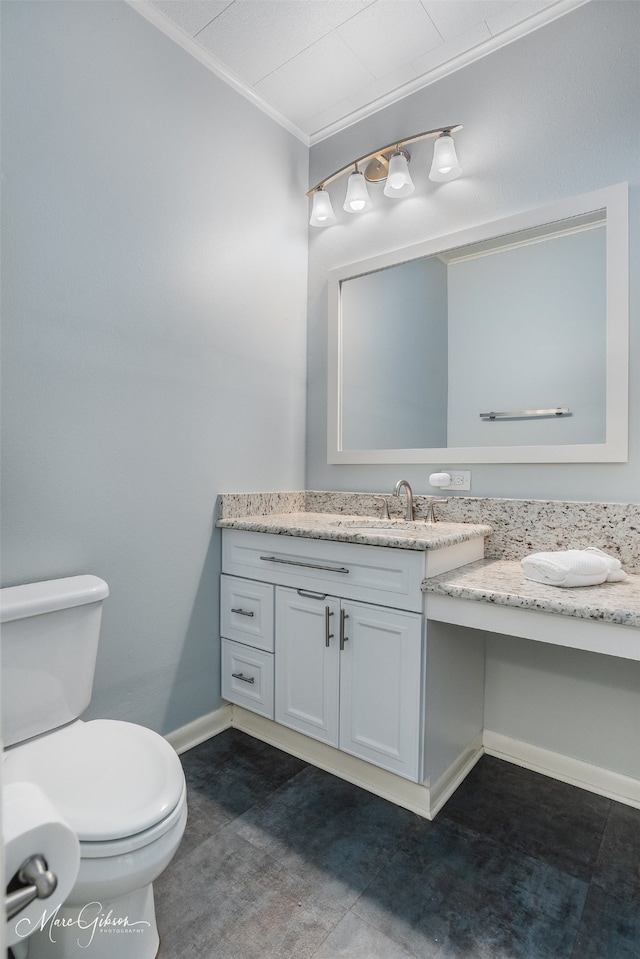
x,y
512,323
527,313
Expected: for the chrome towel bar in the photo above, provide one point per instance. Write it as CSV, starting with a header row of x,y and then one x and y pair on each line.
x,y
557,411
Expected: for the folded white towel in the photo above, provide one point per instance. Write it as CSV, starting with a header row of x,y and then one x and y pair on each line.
x,y
573,567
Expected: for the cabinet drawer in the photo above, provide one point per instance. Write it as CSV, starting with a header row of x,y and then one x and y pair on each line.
x,y
247,677
246,612
373,574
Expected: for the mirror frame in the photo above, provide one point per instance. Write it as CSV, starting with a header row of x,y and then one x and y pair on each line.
x,y
613,200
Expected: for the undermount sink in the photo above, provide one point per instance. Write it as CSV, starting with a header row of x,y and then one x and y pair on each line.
x,y
391,524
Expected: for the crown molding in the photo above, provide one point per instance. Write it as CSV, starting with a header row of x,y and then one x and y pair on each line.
x,y
146,9
456,63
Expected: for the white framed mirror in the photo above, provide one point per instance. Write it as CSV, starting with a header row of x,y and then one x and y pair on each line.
x,y
503,343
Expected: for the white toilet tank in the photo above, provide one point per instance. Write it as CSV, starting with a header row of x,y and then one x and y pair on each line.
x,y
49,642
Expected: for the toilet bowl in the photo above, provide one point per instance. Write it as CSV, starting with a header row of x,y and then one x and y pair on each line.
x,y
120,787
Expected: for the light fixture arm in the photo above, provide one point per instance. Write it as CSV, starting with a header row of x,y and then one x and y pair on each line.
x,y
378,154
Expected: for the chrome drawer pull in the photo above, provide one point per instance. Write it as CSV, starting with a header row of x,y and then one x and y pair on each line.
x,y
308,594
242,612
244,679
294,562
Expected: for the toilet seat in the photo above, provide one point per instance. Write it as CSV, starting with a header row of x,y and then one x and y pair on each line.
x,y
111,780
129,844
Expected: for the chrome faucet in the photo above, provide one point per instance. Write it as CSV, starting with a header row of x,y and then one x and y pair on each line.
x,y
409,492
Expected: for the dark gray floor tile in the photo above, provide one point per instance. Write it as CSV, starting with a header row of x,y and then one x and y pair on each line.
x,y
542,817
237,770
353,938
327,831
229,900
617,869
205,817
610,928
227,775
458,894
275,851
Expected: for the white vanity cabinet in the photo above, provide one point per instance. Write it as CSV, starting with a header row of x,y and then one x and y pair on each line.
x,y
349,674
349,655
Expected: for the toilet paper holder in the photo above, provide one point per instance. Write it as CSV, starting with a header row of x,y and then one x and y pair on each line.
x,y
36,881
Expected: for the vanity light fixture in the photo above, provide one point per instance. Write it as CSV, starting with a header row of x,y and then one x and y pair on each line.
x,y
445,164
399,182
390,163
357,199
322,212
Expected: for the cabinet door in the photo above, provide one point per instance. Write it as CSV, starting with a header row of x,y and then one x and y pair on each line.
x,y
307,663
380,687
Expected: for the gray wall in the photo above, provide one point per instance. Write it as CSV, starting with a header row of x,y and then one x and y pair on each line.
x,y
154,297
552,115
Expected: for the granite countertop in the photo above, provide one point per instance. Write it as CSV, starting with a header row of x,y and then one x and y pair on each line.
x,y
503,583
365,530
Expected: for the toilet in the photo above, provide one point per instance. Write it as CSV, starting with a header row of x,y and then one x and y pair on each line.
x,y
120,786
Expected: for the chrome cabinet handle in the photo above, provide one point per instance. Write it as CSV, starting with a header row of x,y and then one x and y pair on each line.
x,y
294,562
242,612
343,639
327,635
244,679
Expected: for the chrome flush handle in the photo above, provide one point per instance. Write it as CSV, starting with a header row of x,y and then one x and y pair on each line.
x,y
36,882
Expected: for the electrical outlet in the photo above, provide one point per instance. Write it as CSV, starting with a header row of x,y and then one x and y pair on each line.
x,y
460,479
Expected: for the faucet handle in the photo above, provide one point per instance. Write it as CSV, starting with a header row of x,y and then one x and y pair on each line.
x,y
431,516
385,507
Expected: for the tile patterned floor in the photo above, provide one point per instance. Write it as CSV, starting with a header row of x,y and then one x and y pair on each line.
x,y
283,861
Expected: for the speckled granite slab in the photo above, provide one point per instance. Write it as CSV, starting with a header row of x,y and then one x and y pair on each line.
x,y
231,505
519,526
345,529
532,526
503,583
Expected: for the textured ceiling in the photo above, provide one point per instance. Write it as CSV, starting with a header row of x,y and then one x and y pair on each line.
x,y
319,65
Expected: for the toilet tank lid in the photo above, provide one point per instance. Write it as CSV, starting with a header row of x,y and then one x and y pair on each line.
x,y
33,599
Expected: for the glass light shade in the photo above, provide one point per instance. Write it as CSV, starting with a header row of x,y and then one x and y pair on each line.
x,y
322,212
445,164
357,199
399,182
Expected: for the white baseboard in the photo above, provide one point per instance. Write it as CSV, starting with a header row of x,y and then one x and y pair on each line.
x,y
201,729
454,775
576,772
387,785
416,797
